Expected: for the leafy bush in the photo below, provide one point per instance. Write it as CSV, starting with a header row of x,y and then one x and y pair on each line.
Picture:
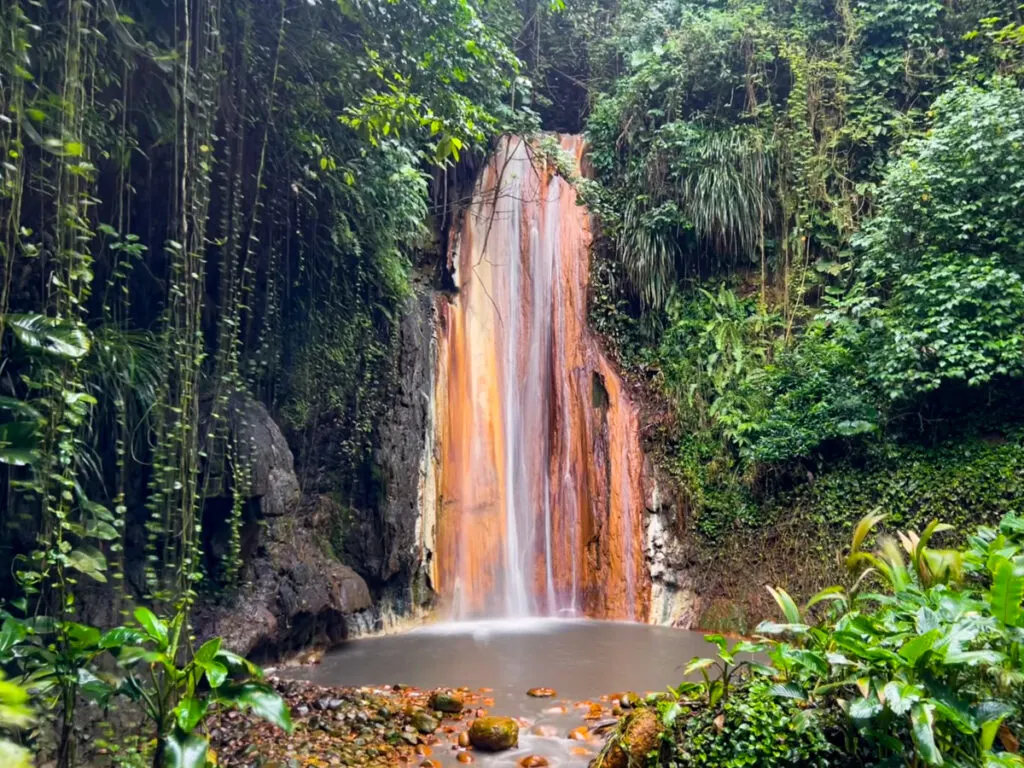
x,y
916,659
926,670
753,727
60,661
815,392
944,295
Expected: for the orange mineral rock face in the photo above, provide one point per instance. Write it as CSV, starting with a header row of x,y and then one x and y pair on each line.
x,y
538,459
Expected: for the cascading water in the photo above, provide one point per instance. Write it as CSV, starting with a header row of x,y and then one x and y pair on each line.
x,y
538,460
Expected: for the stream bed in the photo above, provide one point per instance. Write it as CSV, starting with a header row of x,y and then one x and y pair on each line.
x,y
585,662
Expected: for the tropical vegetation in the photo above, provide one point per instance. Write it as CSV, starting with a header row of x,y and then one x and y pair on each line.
x,y
914,660
810,252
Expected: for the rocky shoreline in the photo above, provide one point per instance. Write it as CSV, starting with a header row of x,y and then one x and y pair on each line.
x,y
402,726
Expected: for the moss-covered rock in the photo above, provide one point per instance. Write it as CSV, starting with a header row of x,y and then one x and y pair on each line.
x,y
493,734
447,701
423,722
639,734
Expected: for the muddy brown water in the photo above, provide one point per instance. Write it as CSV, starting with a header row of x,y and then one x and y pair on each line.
x,y
581,660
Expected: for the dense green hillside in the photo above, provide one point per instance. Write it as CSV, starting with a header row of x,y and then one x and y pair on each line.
x,y
812,246
809,259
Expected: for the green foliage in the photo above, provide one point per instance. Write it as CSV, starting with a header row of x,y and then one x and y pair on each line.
x,y
817,393
927,670
15,713
965,481
757,728
934,308
915,659
61,661
201,200
178,697
942,260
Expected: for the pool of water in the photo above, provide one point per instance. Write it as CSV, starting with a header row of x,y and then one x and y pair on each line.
x,y
582,660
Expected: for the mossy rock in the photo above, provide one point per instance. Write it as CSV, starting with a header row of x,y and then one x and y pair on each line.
x,y
447,701
493,734
423,722
639,734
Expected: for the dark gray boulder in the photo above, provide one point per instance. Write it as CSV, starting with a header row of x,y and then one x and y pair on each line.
x,y
264,450
293,591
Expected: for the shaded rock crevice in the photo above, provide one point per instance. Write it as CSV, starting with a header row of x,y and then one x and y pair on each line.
x,y
294,592
668,554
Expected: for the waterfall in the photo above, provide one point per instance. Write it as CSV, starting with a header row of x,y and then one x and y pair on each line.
x,y
539,498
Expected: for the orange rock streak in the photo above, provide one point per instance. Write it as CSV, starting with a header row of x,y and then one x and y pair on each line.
x,y
538,459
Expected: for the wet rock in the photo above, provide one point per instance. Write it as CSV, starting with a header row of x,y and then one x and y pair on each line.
x,y
464,757
546,730
582,733
463,740
674,598
423,722
382,540
296,593
628,700
542,693
447,701
533,761
639,733
494,734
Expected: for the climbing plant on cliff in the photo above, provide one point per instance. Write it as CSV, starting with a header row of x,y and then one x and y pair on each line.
x,y
202,200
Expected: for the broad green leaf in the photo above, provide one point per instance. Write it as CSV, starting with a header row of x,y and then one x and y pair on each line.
x,y
154,627
786,603
922,722
208,651
672,711
89,561
19,441
914,649
864,527
261,700
991,715
131,654
1007,591
50,335
216,673
837,594
864,708
696,665
812,661
239,664
190,712
788,691
81,635
773,628
185,750
900,696
93,688
121,636
11,633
